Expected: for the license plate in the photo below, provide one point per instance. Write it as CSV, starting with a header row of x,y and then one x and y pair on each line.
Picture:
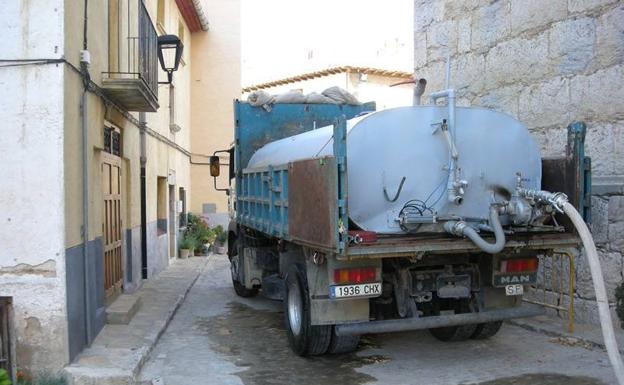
x,y
514,289
361,290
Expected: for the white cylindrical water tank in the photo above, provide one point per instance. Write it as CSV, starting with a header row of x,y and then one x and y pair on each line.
x,y
386,146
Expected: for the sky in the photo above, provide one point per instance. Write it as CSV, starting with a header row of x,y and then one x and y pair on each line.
x,y
282,38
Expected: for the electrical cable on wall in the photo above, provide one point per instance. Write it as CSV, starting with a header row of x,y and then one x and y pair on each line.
x,y
28,62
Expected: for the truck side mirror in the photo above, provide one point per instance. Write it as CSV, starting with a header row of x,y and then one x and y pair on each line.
x,y
215,167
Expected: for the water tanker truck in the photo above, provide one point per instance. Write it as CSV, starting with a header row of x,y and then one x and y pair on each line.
x,y
420,217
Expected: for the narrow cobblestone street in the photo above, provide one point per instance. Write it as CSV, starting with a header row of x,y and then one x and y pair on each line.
x,y
219,338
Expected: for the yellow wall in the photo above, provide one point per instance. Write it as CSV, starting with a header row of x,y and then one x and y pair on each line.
x,y
216,83
161,158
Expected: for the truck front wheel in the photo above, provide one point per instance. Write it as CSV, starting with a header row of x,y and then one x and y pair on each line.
x,y
239,288
305,339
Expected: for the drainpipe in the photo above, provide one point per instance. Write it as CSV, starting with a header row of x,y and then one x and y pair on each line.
x,y
142,126
85,214
84,66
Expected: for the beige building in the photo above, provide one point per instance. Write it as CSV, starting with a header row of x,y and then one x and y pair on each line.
x,y
547,64
216,83
85,99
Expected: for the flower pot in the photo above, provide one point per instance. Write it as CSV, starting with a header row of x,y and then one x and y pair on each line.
x,y
192,253
184,253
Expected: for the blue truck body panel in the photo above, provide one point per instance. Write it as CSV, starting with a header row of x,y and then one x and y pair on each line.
x,y
262,194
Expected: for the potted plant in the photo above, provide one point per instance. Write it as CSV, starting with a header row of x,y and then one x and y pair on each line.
x,y
201,232
4,377
186,246
220,240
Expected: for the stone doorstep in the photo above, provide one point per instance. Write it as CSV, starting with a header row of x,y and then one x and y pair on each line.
x,y
120,350
121,311
587,334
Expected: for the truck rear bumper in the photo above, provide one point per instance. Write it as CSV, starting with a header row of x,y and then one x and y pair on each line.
x,y
405,324
405,246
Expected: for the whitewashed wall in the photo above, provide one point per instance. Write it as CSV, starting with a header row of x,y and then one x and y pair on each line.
x,y
32,237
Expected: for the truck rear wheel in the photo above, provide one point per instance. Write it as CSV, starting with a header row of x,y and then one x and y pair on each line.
x,y
342,344
305,339
455,333
486,330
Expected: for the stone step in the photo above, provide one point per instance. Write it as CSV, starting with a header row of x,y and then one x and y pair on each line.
x,y
121,311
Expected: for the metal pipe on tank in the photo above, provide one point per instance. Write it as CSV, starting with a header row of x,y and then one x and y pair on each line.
x,y
419,90
454,185
463,229
448,71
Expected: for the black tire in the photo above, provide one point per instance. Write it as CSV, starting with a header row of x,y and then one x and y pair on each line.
x,y
304,339
239,288
453,333
342,344
242,291
486,330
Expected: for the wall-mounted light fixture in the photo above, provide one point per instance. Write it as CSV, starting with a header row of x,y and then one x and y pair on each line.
x,y
169,54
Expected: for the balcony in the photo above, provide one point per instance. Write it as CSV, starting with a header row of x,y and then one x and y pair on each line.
x,y
132,76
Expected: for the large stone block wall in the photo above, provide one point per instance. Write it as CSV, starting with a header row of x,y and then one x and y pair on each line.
x,y
546,63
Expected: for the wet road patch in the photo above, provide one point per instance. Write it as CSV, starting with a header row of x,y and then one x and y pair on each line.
x,y
542,379
256,341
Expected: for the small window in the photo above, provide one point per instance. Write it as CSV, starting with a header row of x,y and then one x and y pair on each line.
x,y
182,195
160,16
6,334
112,140
107,139
161,205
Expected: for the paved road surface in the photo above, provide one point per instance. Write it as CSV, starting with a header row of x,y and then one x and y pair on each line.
x,y
219,338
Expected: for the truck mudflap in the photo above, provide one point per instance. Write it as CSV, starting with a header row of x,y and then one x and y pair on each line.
x,y
405,324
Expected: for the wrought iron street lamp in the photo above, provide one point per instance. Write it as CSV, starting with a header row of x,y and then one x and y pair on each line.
x,y
169,54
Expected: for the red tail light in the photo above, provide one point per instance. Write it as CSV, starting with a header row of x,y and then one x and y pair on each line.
x,y
356,275
519,265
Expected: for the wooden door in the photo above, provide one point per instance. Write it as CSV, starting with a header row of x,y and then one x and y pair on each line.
x,y
112,225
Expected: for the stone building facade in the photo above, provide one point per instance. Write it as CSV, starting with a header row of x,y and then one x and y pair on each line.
x,y
546,63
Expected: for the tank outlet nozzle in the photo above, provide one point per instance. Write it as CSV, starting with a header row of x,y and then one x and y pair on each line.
x,y
455,228
556,200
457,191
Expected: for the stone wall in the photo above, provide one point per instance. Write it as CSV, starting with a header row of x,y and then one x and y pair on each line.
x,y
547,63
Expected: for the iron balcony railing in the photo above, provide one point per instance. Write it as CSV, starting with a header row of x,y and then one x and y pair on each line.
x,y
133,44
